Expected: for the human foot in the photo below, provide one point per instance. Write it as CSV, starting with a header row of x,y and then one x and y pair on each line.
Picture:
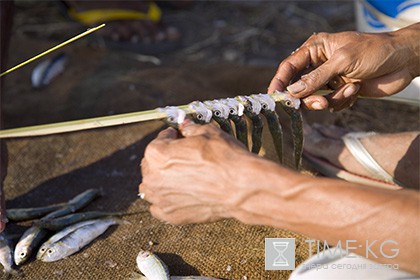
x,y
135,25
397,154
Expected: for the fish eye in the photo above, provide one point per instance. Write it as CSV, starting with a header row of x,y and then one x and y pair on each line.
x,y
22,254
264,106
42,249
171,119
50,251
217,114
200,117
231,111
288,103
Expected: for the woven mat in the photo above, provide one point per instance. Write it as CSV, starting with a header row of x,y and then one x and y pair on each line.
x,y
53,169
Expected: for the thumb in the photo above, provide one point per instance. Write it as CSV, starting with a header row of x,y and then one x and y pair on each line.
x,y
188,129
314,80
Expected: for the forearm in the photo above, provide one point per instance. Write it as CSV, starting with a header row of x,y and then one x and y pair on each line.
x,y
408,38
332,210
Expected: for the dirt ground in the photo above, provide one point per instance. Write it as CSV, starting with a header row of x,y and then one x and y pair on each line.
x,y
229,48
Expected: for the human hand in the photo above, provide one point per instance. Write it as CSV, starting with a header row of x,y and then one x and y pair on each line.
x,y
351,63
194,178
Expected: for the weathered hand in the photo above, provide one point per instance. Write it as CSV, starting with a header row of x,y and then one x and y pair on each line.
x,y
351,63
191,179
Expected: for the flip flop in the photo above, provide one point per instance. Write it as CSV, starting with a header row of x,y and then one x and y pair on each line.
x,y
379,177
97,16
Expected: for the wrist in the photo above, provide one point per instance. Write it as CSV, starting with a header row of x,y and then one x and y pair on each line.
x,y
260,191
408,38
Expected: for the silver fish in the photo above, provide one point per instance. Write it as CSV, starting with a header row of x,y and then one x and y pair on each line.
x,y
56,237
220,114
74,204
252,111
61,222
47,70
174,115
236,114
291,106
268,109
30,239
76,238
152,266
24,214
202,114
6,256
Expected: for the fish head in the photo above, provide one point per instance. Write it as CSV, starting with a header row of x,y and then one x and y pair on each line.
x,y
174,115
41,251
143,255
21,254
202,113
266,101
52,254
235,107
250,104
219,109
286,99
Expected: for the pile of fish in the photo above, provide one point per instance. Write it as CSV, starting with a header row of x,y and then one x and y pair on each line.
x,y
153,268
71,231
231,114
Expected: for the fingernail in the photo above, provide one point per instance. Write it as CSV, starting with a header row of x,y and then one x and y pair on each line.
x,y
350,90
317,106
297,87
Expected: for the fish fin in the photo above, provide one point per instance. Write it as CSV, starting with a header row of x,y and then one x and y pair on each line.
x,y
137,276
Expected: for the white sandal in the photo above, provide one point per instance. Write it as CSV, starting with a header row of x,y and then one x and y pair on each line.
x,y
380,178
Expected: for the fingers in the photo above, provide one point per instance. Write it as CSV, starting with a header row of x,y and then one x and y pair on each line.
x,y
290,67
315,102
167,134
310,83
189,129
343,97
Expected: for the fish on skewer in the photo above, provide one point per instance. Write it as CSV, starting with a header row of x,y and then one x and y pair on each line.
x,y
252,111
220,114
201,114
236,114
268,109
174,116
291,106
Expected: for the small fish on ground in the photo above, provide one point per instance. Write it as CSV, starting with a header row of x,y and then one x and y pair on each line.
x,y
24,214
6,256
61,222
74,204
153,268
77,237
30,239
49,69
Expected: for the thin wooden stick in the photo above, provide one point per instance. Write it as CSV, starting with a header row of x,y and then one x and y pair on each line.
x,y
91,30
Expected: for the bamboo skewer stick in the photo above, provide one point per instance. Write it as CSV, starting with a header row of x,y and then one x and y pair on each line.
x,y
99,122
89,31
